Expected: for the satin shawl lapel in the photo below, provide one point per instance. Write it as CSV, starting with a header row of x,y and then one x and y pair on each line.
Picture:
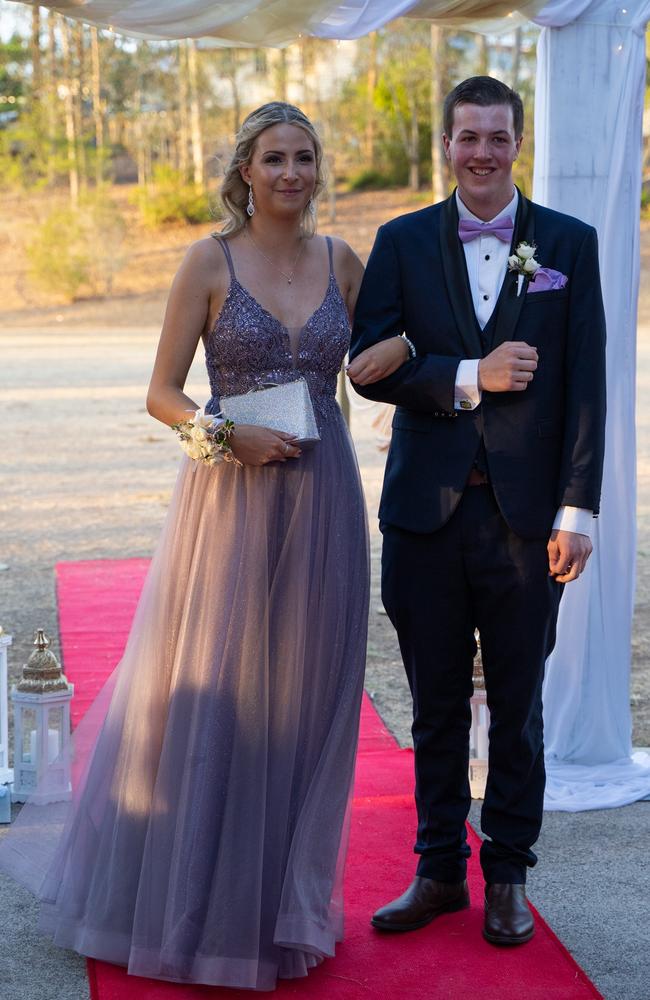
x,y
509,304
457,282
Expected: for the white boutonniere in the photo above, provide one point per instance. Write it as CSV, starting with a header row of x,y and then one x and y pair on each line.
x,y
522,263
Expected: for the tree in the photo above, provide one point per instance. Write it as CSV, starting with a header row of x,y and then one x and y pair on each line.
x,y
98,111
196,132
404,87
183,104
439,174
67,86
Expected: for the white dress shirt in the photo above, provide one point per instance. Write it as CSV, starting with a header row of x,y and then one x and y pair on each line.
x,y
487,259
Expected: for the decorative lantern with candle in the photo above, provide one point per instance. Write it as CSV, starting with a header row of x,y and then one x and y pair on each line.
x,y
478,737
41,701
6,774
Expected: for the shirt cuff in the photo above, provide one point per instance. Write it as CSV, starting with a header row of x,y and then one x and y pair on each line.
x,y
576,519
467,394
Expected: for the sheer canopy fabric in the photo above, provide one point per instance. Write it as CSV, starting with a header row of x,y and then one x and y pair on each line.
x,y
588,121
278,22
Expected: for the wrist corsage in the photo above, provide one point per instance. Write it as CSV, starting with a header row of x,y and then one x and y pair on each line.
x,y
206,438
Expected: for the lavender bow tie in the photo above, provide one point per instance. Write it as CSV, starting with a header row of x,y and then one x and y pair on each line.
x,y
469,229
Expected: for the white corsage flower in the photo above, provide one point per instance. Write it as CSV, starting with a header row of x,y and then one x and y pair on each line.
x,y
525,251
205,438
199,434
522,263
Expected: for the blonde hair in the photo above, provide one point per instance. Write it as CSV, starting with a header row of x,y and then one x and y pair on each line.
x,y
234,189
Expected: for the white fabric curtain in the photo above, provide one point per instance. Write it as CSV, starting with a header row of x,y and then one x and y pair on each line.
x,y
278,22
588,127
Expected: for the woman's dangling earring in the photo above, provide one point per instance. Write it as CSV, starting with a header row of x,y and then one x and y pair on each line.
x,y
312,208
250,208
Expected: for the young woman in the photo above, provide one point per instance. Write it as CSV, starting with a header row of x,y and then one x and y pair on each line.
x,y
207,837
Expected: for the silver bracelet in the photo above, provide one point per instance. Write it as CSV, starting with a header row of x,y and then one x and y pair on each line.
x,y
410,345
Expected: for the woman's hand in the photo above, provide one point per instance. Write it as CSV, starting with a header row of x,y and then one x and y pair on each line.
x,y
378,361
259,445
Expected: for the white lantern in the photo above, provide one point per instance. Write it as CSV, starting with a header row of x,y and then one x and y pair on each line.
x,y
6,774
478,736
41,701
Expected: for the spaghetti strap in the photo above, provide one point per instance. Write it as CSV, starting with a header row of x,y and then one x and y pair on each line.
x,y
226,249
331,254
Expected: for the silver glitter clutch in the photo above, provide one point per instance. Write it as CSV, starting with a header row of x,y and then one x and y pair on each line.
x,y
286,407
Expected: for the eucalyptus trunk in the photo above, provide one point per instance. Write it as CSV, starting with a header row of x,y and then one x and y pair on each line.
x,y
52,103
195,113
282,75
438,86
68,104
414,146
183,120
371,117
98,111
77,102
35,52
516,58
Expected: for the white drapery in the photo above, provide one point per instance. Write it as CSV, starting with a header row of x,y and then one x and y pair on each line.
x,y
278,22
588,163
588,127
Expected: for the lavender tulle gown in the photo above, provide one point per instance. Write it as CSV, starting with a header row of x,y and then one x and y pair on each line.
x,y
207,836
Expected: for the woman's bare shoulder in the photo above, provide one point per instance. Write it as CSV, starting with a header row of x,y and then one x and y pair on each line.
x,y
342,250
347,266
204,267
206,252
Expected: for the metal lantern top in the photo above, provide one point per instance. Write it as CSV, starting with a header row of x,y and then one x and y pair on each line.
x,y
42,673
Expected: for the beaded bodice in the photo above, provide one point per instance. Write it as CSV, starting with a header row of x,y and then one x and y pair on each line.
x,y
249,347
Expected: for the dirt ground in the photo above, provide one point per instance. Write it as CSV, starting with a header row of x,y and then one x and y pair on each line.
x,y
86,473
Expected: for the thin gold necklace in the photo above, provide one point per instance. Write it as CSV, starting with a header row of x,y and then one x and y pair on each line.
x,y
284,274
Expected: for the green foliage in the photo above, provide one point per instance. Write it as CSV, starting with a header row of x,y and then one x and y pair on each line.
x,y
398,62
645,200
58,256
78,248
27,159
372,179
14,53
172,199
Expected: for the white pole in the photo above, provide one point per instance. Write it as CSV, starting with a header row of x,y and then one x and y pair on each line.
x,y
6,773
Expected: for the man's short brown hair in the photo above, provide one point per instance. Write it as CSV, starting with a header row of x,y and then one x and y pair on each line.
x,y
485,91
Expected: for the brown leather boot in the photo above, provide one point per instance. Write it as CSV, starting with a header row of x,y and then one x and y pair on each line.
x,y
508,919
423,900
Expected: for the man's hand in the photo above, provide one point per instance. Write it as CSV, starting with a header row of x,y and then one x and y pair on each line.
x,y
509,368
567,555
378,361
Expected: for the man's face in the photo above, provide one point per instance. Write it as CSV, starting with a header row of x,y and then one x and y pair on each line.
x,y
482,150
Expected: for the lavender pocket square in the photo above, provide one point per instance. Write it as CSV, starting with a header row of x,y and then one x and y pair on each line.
x,y
547,280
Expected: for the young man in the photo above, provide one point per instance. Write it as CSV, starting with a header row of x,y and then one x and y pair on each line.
x,y
492,482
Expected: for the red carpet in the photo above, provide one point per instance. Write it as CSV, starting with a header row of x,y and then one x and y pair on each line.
x,y
447,960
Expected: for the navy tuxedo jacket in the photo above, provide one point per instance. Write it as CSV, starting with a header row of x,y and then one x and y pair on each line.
x,y
544,445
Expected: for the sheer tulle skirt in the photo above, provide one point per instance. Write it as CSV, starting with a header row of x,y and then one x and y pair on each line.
x,y
207,833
